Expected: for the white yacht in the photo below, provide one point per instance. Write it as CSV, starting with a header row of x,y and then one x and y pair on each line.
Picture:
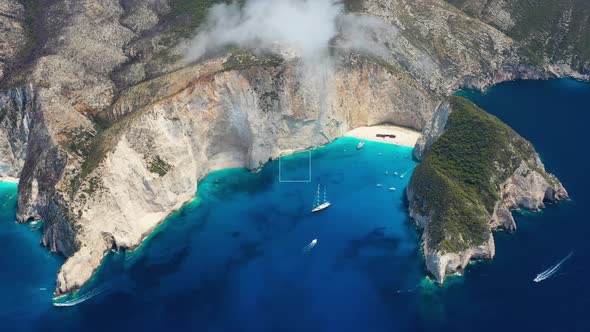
x,y
317,206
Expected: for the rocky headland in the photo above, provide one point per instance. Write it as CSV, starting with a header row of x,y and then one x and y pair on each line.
x,y
468,181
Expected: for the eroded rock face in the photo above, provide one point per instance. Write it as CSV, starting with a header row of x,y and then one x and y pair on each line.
x,y
560,38
17,114
13,35
530,187
113,134
443,265
232,118
526,189
433,130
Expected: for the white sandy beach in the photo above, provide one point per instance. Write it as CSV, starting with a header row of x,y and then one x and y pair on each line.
x,y
403,136
8,179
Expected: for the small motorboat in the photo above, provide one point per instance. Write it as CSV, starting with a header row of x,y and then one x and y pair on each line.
x,y
360,145
310,246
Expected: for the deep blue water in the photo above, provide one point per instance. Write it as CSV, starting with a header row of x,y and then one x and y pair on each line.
x,y
232,260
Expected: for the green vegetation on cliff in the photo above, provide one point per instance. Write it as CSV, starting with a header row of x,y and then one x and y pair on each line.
x,y
244,59
459,177
159,166
32,8
188,16
556,30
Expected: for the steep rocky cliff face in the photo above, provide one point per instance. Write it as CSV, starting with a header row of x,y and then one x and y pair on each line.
x,y
220,118
109,129
17,113
433,129
556,32
14,32
468,181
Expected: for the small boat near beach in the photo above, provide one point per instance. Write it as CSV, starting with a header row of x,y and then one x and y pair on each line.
x,y
360,145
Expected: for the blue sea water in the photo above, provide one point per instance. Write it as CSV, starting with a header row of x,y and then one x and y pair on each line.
x,y
233,259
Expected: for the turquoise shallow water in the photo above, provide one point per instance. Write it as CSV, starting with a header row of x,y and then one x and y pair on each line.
x,y
232,260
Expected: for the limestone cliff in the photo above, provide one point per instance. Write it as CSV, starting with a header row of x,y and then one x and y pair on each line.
x,y
469,180
13,30
556,32
16,119
220,118
110,130
433,130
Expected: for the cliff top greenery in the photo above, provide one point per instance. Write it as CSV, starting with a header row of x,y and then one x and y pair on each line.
x,y
557,30
188,15
460,175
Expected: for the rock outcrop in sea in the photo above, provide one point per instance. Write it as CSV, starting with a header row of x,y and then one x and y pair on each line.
x,y
471,177
109,130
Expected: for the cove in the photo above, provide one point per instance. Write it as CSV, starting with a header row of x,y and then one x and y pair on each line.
x,y
232,259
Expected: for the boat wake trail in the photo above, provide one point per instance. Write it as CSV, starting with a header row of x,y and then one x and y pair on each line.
x,y
82,298
552,270
310,246
403,175
407,290
8,199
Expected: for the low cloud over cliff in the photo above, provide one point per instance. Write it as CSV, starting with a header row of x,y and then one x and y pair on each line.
x,y
305,27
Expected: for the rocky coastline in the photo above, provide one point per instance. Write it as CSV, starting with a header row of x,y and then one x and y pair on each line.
x,y
519,181
109,130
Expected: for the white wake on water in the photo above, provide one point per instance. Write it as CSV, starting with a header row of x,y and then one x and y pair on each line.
x,y
7,200
552,270
403,175
82,298
310,246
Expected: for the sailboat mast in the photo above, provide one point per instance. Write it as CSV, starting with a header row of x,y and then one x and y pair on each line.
x,y
325,195
317,198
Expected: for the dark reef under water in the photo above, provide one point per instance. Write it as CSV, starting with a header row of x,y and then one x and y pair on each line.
x,y
232,260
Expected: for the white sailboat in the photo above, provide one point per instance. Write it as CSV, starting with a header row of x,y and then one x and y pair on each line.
x,y
317,206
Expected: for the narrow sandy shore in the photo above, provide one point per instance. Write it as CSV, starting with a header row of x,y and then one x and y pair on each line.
x,y
403,136
8,179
